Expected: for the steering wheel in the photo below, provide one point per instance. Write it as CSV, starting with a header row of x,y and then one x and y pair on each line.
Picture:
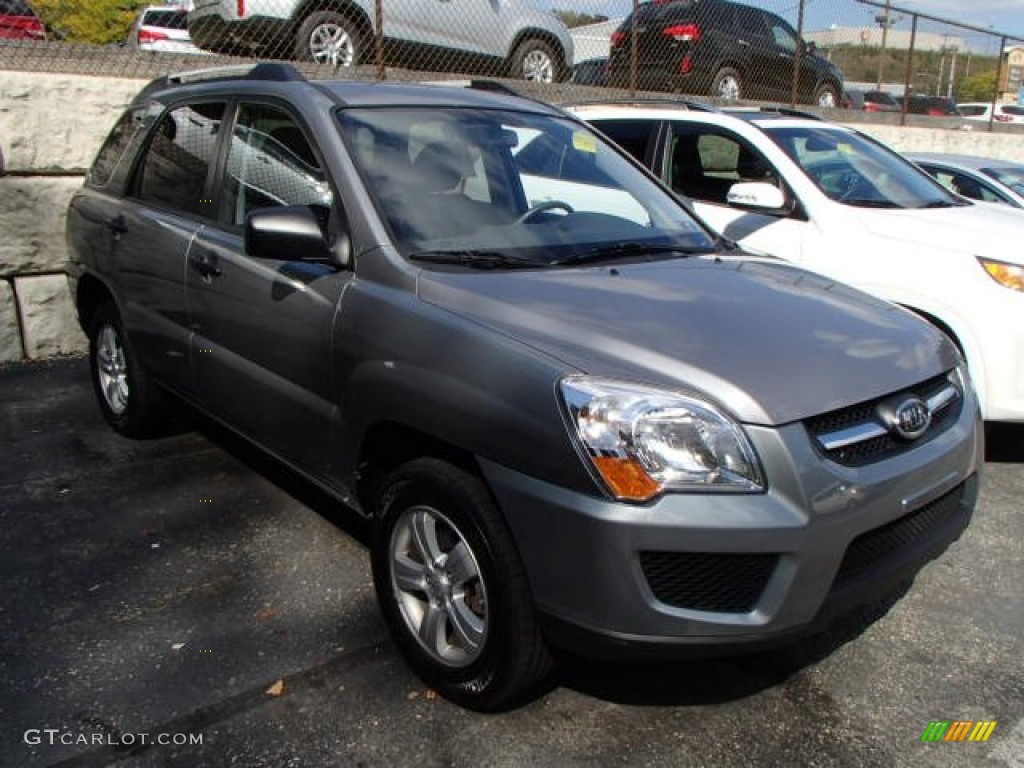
x,y
547,205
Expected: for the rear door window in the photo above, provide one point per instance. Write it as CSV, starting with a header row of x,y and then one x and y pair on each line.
x,y
179,157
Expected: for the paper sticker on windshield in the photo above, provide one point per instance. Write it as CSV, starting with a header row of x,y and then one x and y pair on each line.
x,y
584,142
846,149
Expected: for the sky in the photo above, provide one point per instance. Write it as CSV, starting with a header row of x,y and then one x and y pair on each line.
x,y
1003,16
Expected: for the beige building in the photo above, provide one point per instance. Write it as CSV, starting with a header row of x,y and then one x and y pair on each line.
x,y
1012,83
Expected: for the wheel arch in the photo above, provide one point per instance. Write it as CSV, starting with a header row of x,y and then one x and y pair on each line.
x,y
387,445
92,293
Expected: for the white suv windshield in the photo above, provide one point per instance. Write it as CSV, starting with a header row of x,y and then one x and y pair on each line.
x,y
856,171
529,187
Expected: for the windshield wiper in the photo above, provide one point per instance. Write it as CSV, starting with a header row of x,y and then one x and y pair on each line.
x,y
940,204
477,259
625,250
870,203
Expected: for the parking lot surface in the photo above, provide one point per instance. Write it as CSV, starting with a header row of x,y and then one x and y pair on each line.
x,y
187,589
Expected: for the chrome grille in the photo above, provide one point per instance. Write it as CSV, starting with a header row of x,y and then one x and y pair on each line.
x,y
857,435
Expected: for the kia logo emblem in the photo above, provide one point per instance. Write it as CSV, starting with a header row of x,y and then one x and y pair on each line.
x,y
909,418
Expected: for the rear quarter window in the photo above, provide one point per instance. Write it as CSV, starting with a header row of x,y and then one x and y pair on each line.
x,y
166,19
113,149
634,136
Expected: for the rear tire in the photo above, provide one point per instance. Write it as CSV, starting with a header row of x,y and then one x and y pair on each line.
x,y
536,61
727,84
327,37
826,96
129,400
453,590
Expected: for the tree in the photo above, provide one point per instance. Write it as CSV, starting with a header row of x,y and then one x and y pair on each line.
x,y
88,21
980,87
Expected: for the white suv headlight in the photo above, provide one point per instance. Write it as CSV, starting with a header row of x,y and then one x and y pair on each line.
x,y
643,441
1007,275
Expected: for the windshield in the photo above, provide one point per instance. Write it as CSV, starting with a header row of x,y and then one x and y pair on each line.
x,y
1011,177
854,170
494,188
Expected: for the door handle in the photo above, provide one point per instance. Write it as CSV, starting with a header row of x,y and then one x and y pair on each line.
x,y
117,225
205,263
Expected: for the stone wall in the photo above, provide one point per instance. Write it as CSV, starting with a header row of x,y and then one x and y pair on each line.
x,y
51,126
50,129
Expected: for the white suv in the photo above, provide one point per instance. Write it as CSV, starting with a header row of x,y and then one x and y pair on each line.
x,y
837,202
510,37
982,111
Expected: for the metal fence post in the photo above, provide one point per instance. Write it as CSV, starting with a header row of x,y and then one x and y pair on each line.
x,y
632,50
999,80
799,56
909,74
378,38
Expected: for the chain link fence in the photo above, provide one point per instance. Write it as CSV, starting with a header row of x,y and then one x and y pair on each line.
x,y
858,54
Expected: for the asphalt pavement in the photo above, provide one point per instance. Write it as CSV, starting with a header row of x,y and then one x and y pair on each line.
x,y
185,601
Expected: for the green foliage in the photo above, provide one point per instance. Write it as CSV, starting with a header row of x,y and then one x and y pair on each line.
x,y
860,64
980,87
576,19
88,21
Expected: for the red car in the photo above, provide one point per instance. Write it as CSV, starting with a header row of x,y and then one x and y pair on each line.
x,y
19,22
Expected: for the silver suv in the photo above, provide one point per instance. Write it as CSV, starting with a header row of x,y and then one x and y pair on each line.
x,y
511,38
570,414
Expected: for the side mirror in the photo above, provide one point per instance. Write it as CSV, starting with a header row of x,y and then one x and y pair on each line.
x,y
757,196
291,233
810,47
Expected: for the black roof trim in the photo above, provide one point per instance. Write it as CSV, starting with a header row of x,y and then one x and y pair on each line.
x,y
776,111
645,101
264,71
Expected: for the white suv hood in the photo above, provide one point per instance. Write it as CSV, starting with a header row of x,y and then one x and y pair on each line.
x,y
990,230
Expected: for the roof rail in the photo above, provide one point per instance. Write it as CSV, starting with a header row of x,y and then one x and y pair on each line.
x,y
778,110
264,70
494,87
645,101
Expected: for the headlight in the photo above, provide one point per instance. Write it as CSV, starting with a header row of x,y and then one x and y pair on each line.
x,y
643,441
1008,275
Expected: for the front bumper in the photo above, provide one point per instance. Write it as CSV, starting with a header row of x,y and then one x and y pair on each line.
x,y
719,572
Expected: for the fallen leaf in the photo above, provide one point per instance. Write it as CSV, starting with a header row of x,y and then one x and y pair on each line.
x,y
413,695
431,694
266,613
276,689
177,646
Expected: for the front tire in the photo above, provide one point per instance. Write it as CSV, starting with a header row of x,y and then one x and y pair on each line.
x,y
727,84
129,400
329,38
453,590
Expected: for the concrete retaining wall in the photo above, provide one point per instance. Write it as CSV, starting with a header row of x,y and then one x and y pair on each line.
x,y
51,126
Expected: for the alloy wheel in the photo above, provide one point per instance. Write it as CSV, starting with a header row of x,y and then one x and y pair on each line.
x,y
438,585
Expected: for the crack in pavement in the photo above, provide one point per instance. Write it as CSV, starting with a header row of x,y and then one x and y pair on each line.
x,y
203,718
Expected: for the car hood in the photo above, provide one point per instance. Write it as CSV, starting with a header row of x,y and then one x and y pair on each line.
x,y
979,229
770,342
